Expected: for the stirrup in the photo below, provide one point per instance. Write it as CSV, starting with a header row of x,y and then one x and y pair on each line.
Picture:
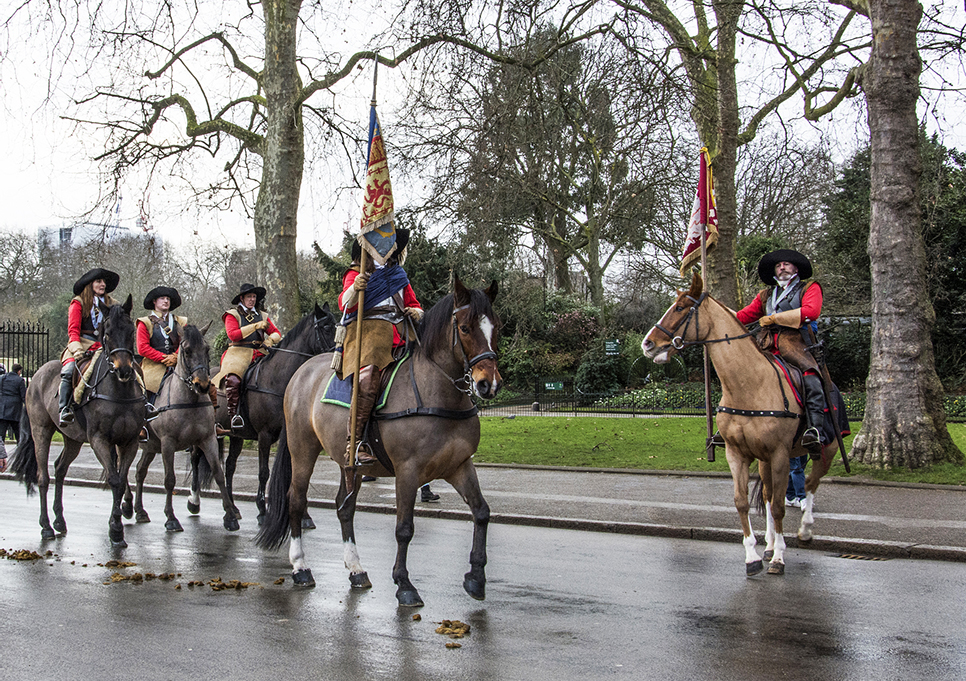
x,y
812,442
144,436
237,422
717,440
66,416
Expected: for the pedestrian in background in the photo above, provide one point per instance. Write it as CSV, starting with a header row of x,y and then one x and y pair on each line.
x,y
13,390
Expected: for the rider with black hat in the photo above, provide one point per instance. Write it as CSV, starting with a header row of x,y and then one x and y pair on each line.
x,y
84,315
391,306
249,331
782,311
159,336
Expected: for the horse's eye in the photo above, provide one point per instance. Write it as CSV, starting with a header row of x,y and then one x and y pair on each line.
x,y
679,308
464,329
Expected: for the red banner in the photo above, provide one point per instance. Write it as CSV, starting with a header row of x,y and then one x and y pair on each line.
x,y
704,218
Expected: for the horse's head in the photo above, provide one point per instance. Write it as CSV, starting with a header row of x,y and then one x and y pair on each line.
x,y
677,326
324,329
477,328
117,338
193,358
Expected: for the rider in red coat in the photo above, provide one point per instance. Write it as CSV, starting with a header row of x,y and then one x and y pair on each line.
x,y
782,311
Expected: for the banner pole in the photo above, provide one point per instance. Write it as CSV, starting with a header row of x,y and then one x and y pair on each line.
x,y
705,209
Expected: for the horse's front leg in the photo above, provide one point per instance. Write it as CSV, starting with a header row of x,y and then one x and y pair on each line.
x,y
775,510
739,474
210,449
468,485
140,473
346,511
194,488
406,487
105,452
171,523
61,466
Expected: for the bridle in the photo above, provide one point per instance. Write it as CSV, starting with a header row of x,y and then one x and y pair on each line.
x,y
317,326
677,340
468,362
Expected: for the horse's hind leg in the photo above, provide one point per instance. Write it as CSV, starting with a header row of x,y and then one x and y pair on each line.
x,y
303,460
819,469
231,463
739,474
406,488
467,484
358,577
66,458
140,474
194,488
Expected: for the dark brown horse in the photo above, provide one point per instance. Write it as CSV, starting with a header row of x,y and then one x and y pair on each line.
x,y
109,417
758,416
183,417
261,404
428,426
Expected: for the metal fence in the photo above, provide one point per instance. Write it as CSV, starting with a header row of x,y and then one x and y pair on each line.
x,y
24,343
560,397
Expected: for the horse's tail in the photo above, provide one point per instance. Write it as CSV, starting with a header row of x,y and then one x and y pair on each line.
x,y
205,473
758,496
273,531
23,462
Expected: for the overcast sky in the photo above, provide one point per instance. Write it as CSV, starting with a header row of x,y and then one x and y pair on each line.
x,y
47,177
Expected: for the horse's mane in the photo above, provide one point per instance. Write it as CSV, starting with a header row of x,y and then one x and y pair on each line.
x,y
296,331
436,326
193,334
734,315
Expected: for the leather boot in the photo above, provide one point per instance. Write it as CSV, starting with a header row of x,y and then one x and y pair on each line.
x,y
66,390
365,401
232,395
814,415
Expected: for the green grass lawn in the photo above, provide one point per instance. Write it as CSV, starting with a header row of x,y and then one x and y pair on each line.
x,y
660,444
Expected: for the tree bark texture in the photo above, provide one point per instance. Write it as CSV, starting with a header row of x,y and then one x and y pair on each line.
x,y
276,207
904,422
722,276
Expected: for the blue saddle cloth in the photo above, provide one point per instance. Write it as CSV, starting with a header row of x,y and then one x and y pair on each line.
x,y
339,391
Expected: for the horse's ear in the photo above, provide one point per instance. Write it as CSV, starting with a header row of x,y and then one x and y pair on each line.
x,y
206,327
697,285
492,291
461,296
128,304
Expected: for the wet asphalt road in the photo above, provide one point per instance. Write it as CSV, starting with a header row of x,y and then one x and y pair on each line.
x,y
561,604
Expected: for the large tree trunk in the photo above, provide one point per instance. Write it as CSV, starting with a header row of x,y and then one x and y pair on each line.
x,y
276,208
722,278
904,422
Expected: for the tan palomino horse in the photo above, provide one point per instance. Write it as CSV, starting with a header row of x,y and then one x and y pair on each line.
x,y
758,416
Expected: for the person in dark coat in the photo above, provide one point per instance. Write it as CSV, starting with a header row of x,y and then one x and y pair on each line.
x,y
13,390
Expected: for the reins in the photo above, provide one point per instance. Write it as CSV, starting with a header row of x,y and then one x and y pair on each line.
x,y
679,343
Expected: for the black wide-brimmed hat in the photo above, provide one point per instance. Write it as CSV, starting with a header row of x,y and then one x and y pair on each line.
x,y
250,288
766,266
158,292
402,240
110,278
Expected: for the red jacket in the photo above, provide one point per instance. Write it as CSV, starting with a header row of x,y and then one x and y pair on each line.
x,y
810,310
409,300
234,331
74,316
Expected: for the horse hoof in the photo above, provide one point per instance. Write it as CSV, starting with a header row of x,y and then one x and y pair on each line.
x,y
231,522
769,554
308,523
142,517
127,510
238,513
303,577
47,533
118,543
173,525
474,587
776,569
194,509
260,518
805,536
60,526
754,568
360,580
409,598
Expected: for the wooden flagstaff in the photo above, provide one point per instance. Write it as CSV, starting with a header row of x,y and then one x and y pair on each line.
x,y
704,212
